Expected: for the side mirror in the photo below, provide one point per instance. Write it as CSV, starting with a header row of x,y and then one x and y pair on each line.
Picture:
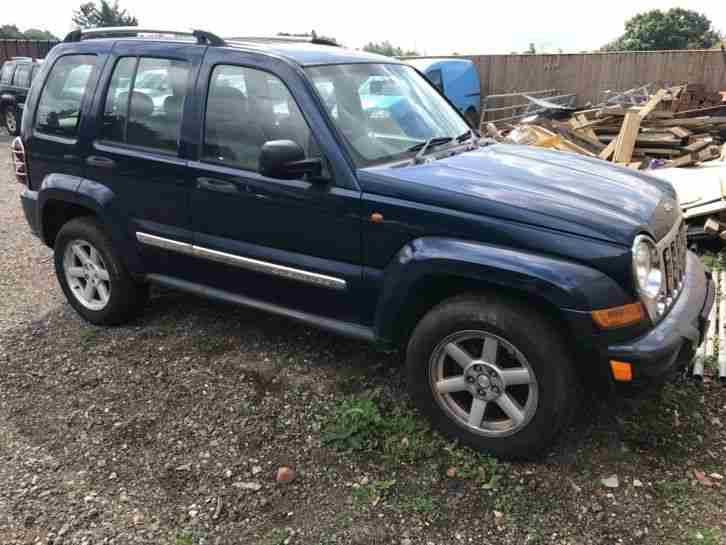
x,y
285,159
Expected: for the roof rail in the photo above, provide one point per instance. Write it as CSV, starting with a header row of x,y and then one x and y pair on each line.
x,y
283,39
203,37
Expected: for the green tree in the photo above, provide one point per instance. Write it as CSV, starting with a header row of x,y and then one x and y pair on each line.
x,y
532,50
387,48
37,34
657,30
102,14
10,31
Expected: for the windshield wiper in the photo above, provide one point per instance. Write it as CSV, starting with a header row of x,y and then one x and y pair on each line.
x,y
422,147
464,137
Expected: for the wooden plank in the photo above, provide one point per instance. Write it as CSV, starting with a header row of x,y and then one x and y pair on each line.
x,y
580,123
626,139
680,132
682,161
660,152
608,151
649,138
635,165
697,145
652,103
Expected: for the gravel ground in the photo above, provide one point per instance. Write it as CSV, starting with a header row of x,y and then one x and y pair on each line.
x,y
171,430
26,282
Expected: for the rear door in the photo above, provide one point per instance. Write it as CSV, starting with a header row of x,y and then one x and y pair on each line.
x,y
139,149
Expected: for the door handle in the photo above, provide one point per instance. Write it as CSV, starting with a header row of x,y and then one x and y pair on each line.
x,y
101,162
213,184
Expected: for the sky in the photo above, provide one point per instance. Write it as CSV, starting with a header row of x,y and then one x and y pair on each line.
x,y
430,27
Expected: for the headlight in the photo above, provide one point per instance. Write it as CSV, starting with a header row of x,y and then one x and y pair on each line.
x,y
647,267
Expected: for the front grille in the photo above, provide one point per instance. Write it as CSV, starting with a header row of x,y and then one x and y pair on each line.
x,y
673,250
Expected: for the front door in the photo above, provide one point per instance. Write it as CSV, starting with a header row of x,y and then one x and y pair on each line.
x,y
293,243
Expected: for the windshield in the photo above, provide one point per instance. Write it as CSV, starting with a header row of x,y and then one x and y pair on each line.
x,y
386,112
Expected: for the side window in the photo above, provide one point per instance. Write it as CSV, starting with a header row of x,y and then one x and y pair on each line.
x,y
245,109
145,101
59,108
436,79
6,74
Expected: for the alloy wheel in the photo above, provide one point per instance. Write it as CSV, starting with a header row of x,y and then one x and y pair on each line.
x,y
484,382
87,275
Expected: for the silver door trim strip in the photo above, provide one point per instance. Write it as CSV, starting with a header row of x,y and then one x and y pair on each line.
x,y
248,263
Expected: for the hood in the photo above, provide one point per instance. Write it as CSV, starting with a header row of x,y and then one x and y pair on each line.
x,y
563,191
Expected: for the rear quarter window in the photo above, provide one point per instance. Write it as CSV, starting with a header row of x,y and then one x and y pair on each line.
x,y
59,108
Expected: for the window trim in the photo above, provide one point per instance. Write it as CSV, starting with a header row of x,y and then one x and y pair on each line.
x,y
200,151
81,107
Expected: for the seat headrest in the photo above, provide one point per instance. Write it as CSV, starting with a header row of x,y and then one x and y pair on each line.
x,y
173,105
141,104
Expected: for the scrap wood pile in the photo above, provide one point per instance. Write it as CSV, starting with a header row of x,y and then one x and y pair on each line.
x,y
664,130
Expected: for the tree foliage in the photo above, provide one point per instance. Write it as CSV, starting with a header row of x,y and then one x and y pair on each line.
x,y
102,14
657,30
387,48
13,32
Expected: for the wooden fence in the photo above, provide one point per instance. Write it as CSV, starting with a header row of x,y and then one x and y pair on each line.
x,y
589,74
24,48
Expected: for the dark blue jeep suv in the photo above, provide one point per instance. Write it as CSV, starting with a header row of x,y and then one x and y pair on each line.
x,y
265,172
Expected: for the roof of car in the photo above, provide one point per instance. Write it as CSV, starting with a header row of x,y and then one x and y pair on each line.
x,y
311,54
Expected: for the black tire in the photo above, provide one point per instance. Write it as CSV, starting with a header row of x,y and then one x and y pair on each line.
x,y
126,296
557,387
11,119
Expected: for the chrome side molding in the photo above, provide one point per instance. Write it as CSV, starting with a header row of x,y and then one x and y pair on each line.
x,y
247,263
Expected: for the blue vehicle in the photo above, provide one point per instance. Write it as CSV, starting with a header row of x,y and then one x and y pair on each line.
x,y
458,79
264,174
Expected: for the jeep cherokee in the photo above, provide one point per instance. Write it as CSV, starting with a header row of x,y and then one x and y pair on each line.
x,y
264,172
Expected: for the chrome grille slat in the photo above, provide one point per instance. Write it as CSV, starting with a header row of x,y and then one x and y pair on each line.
x,y
673,251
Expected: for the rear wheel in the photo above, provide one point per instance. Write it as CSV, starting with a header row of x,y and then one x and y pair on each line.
x,y
12,120
92,276
492,374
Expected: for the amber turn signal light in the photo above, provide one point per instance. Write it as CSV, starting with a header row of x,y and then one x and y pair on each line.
x,y
618,316
622,371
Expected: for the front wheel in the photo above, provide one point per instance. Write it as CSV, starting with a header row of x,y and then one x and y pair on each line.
x,y
493,374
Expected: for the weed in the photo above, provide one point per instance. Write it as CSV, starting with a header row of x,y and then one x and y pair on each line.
x,y
407,439
354,426
276,536
88,334
184,537
373,494
707,536
423,507
472,465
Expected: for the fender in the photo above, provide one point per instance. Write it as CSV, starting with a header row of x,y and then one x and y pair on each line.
x,y
100,200
564,284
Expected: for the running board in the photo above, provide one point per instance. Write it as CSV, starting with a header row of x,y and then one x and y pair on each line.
x,y
713,347
346,329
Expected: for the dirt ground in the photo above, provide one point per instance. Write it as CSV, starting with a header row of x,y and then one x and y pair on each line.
x,y
170,430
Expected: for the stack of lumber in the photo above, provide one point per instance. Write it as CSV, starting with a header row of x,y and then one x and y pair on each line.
x,y
635,135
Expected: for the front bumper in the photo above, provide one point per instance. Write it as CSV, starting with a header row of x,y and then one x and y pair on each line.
x,y
674,340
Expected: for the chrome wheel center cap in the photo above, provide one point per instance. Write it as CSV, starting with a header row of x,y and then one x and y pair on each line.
x,y
483,381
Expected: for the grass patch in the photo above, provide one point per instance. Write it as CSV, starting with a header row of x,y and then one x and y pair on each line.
x,y
400,437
